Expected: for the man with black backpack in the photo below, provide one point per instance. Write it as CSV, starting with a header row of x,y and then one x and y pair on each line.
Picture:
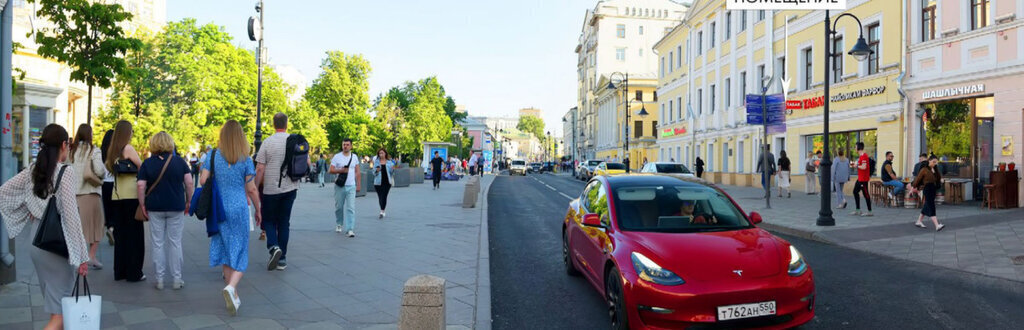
x,y
281,162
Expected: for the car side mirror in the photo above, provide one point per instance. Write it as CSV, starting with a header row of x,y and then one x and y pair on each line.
x,y
592,220
755,218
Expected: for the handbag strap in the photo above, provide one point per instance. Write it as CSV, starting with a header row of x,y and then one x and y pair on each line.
x,y
85,285
60,176
159,177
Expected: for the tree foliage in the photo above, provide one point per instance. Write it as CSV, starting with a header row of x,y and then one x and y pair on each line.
x,y
948,130
87,36
532,125
414,113
340,96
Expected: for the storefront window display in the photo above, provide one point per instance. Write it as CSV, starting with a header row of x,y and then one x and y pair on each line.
x,y
960,134
847,142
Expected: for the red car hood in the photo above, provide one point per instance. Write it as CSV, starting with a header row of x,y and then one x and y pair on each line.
x,y
713,256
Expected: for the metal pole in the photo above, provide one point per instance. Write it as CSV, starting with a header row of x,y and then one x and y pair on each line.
x,y
7,162
574,142
258,139
765,179
626,156
825,213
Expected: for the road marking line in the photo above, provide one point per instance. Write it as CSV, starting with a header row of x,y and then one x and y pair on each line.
x,y
564,195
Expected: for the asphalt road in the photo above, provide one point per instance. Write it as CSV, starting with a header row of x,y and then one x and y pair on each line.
x,y
855,290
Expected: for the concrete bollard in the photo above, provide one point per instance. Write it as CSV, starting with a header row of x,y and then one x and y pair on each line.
x,y
403,176
423,304
366,180
417,175
469,196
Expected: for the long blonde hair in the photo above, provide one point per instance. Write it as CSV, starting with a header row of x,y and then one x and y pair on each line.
x,y
121,138
232,144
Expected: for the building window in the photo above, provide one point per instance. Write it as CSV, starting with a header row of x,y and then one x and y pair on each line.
x,y
654,95
700,104
638,129
620,30
781,64
641,29
837,59
808,68
670,108
641,53
640,96
728,93
760,78
927,20
711,36
711,97
979,14
760,15
661,108
743,85
679,60
671,58
700,42
728,25
679,108
620,54
654,128
873,31
743,20
661,68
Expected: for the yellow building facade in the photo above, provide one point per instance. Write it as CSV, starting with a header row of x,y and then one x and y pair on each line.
x,y
612,120
729,54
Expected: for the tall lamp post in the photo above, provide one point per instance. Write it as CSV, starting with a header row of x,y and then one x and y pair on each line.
x,y
256,34
643,115
573,141
860,51
625,94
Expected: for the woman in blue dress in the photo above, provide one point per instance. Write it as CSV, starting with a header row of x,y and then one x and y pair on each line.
x,y
233,177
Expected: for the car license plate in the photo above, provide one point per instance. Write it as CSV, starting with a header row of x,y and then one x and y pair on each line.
x,y
743,311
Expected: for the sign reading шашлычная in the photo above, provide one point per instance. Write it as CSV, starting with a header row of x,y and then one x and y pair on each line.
x,y
785,4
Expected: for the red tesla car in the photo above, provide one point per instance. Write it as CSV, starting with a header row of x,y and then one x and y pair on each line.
x,y
674,252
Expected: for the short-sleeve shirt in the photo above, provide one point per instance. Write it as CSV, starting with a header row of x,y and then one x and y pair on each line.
x,y
169,194
435,164
863,175
271,155
352,161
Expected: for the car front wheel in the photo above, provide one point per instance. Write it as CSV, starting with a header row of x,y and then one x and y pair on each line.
x,y
570,268
616,302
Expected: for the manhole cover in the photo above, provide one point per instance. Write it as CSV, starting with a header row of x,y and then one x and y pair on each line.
x,y
450,225
1018,260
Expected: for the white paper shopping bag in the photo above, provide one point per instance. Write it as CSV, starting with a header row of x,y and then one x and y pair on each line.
x,y
81,311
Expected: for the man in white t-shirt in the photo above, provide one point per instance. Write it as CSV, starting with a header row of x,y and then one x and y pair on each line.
x,y
278,193
346,165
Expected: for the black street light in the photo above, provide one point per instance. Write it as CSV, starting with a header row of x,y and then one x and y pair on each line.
x,y
256,34
860,51
574,155
625,96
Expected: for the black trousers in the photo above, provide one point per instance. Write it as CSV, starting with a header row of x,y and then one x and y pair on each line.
x,y
130,247
277,219
861,186
436,176
382,195
108,205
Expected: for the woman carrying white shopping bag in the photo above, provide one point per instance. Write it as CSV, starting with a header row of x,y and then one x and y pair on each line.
x,y
82,312
45,193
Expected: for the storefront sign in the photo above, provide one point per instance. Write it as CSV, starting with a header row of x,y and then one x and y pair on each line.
x,y
1007,145
858,94
668,132
951,92
813,102
794,105
786,4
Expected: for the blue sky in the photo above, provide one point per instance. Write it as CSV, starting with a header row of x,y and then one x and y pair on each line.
x,y
492,56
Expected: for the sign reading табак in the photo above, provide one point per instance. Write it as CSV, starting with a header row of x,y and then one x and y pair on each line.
x,y
786,4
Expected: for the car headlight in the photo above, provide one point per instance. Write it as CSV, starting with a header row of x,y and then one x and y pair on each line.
x,y
797,266
649,271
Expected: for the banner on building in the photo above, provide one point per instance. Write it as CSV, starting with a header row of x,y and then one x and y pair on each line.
x,y
786,5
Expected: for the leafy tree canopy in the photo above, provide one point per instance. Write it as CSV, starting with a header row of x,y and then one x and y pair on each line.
x,y
532,125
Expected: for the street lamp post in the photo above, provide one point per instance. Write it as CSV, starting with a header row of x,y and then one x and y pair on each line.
x,y
625,96
860,52
256,34
573,141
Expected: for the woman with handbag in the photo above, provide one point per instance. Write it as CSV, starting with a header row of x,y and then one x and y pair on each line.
x,y
811,172
232,186
45,191
85,160
784,171
123,161
928,180
166,187
384,173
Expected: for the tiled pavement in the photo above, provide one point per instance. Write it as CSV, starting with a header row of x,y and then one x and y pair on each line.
x,y
332,282
974,240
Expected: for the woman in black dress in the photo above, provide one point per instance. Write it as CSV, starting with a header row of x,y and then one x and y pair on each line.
x,y
928,180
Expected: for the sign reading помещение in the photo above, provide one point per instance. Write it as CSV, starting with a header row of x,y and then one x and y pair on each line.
x,y
785,4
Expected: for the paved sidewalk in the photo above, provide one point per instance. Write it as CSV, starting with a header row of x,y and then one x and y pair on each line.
x,y
332,282
974,240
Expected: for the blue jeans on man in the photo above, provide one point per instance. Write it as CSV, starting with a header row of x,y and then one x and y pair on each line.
x,y
897,186
277,215
345,207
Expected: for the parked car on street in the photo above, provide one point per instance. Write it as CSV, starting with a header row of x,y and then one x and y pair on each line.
x,y
672,252
608,168
667,168
518,167
535,167
548,167
586,170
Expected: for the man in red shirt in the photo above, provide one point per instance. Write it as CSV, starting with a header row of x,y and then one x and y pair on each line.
x,y
863,176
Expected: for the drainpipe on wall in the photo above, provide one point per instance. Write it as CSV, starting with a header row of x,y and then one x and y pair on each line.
x,y
899,87
7,162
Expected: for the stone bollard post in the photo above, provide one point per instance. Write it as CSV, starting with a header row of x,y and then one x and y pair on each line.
x,y
423,304
469,196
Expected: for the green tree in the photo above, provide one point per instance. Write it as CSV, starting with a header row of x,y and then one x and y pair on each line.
x,y
87,36
340,95
449,109
532,125
948,129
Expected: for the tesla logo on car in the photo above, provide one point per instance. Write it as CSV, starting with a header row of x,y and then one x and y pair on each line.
x,y
738,272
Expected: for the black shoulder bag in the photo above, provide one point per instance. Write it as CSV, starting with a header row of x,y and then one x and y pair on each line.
x,y
343,177
206,194
50,235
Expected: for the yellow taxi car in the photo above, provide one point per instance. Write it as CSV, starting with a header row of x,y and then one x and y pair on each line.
x,y
608,168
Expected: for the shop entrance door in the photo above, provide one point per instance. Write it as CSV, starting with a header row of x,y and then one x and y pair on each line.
x,y
983,152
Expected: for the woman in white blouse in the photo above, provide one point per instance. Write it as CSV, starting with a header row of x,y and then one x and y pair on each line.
x,y
88,174
23,199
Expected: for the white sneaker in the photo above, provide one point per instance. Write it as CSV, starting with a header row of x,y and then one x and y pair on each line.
x,y
231,300
337,229
159,285
178,284
381,215
351,233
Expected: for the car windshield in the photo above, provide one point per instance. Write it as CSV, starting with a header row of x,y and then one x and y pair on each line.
x,y
593,163
615,166
672,168
676,209
518,162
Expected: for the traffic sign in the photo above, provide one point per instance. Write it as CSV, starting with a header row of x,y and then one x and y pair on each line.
x,y
774,108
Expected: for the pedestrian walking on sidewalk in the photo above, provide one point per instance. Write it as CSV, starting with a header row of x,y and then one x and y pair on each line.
x,y
811,173
384,171
278,194
88,171
784,171
235,178
321,169
767,171
435,170
107,189
124,162
699,164
840,175
928,180
922,162
863,176
346,165
165,190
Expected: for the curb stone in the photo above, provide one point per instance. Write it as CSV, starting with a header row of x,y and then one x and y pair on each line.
x,y
482,317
